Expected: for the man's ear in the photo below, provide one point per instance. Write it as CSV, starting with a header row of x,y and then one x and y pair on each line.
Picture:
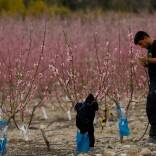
x,y
146,38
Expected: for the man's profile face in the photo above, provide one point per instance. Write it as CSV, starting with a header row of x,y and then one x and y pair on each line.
x,y
144,43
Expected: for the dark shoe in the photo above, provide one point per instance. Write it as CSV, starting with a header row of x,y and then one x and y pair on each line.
x,y
152,140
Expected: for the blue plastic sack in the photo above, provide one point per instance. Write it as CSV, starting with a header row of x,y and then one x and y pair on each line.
x,y
82,142
3,123
123,127
3,148
3,136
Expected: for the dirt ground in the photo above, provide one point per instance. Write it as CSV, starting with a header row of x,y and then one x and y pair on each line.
x,y
61,135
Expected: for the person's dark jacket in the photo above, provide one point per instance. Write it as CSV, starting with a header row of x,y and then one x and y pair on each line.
x,y
152,66
90,106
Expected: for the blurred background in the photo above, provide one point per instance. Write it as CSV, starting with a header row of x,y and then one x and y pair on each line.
x,y
68,7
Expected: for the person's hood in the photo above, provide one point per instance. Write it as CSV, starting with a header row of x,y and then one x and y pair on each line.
x,y
89,99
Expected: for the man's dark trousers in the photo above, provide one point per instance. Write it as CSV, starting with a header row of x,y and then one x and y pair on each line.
x,y
151,108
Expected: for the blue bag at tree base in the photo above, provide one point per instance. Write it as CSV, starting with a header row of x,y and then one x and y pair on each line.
x,y
3,143
3,136
123,127
82,142
122,122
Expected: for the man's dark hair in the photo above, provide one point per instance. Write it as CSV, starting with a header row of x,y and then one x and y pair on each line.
x,y
140,36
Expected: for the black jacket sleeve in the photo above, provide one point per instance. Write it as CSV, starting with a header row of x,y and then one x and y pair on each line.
x,y
96,106
77,106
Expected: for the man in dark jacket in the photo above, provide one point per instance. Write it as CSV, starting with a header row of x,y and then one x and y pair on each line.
x,y
145,41
85,117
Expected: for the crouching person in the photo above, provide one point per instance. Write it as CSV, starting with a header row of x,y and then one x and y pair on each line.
x,y
85,117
